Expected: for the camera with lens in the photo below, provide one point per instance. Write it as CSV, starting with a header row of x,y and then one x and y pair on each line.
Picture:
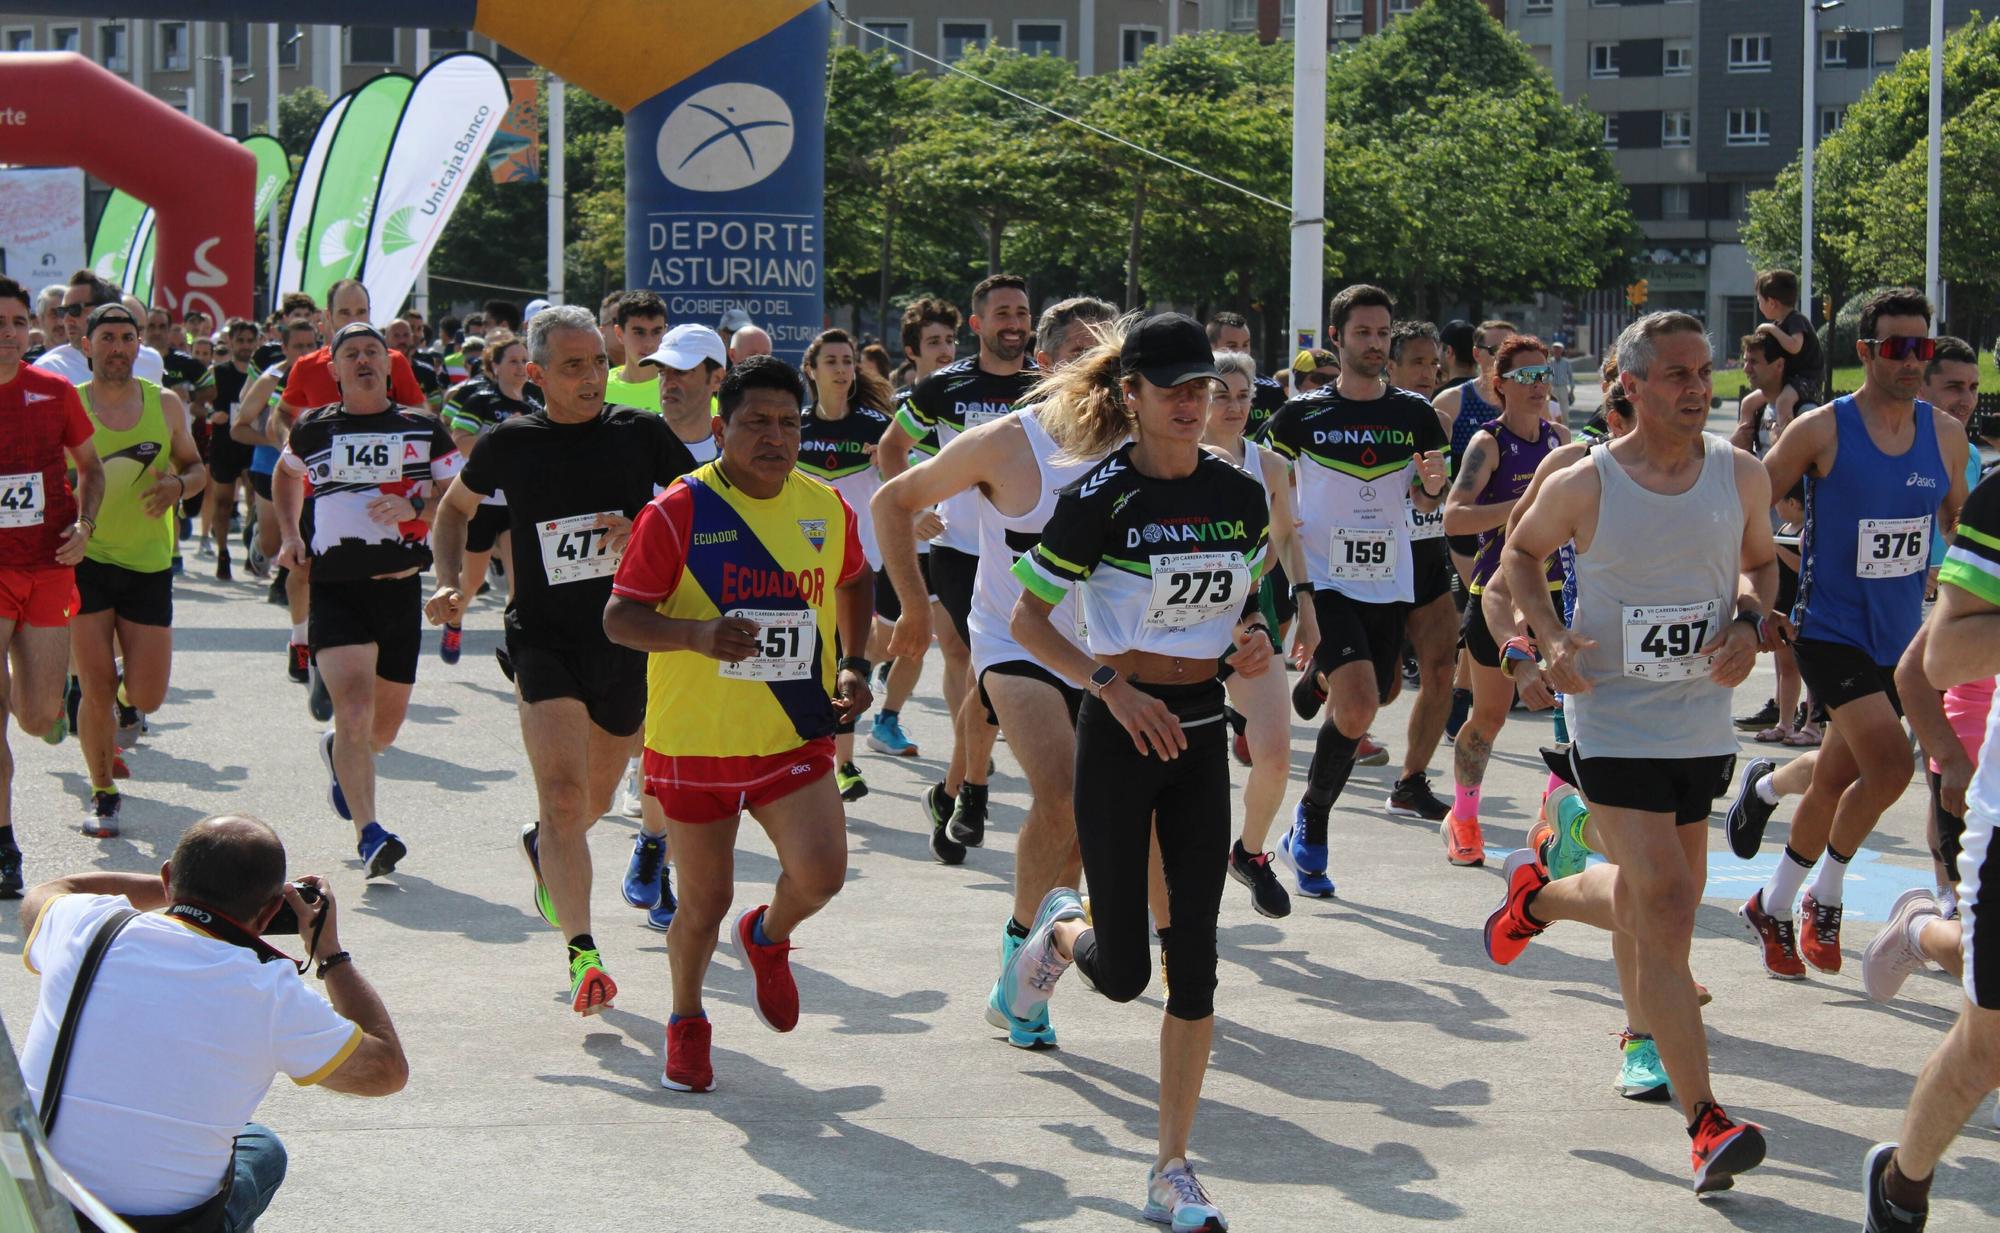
x,y
286,922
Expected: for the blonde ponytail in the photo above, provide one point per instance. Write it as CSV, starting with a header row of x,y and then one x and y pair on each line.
x,y
1082,405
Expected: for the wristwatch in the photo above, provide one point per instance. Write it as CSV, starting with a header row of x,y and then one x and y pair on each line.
x,y
853,663
417,502
1104,676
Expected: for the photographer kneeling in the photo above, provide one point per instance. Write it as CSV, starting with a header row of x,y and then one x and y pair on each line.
x,y
188,1019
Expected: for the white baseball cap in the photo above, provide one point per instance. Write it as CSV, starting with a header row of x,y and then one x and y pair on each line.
x,y
686,346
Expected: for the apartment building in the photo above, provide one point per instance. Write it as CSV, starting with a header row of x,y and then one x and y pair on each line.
x,y
1096,35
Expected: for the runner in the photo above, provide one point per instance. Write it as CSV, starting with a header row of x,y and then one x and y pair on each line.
x,y
1432,628
575,475
294,306
750,564
1495,471
1357,446
257,423
1231,332
350,494
310,382
837,440
641,325
1260,699
747,342
607,324
471,409
1647,670
1467,400
952,400
930,337
1152,758
1961,649
1017,470
1879,465
86,291
44,529
216,396
404,338
125,583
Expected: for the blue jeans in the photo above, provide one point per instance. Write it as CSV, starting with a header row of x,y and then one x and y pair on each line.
x,y
259,1170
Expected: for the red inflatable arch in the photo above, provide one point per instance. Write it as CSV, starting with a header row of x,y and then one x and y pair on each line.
x,y
58,109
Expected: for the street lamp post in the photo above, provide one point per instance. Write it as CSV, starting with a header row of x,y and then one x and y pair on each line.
x,y
1308,173
1934,176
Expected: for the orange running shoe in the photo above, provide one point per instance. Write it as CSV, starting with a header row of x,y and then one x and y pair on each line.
x,y
1510,928
1776,938
1723,1148
1464,844
1821,944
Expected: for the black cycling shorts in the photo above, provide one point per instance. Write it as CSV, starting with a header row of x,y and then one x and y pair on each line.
x,y
143,598
952,576
1838,674
1353,631
888,605
1431,559
1684,787
260,483
1476,636
388,612
1072,696
609,680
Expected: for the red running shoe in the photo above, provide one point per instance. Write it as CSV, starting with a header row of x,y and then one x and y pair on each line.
x,y
1723,1148
1465,843
777,1000
1510,928
1776,938
687,1057
1821,945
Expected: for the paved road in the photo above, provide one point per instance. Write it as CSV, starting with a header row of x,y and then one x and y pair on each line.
x,y
1372,1070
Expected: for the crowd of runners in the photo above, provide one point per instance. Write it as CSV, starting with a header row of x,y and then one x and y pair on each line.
x,y
1136,556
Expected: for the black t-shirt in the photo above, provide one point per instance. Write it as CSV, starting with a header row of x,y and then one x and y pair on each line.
x,y
1266,396
348,461
478,405
183,371
229,382
429,379
32,354
266,354
1810,363
961,396
554,472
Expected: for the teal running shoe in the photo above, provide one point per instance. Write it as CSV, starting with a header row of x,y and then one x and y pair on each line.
x,y
1642,1076
1568,853
1035,1033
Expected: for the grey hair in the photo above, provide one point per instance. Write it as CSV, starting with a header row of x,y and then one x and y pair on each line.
x,y
1636,351
50,296
558,317
1058,317
1238,362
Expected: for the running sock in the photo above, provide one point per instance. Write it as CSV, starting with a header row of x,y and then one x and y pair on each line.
x,y
1017,930
974,794
888,716
1562,726
674,1018
299,633
1784,885
1916,935
1332,763
580,943
1913,1195
757,933
1555,781
1828,882
1767,789
1465,802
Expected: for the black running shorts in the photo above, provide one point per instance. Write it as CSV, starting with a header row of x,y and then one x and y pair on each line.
x,y
1353,631
1431,559
141,598
1838,674
388,612
483,529
1684,787
609,680
952,576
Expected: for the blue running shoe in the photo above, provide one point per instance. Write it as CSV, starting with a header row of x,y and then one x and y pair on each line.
x,y
1035,1033
1032,971
334,796
380,850
1568,853
1307,861
1175,1198
660,916
1642,1076
642,875
885,736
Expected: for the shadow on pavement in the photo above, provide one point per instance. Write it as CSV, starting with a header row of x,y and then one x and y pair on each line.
x,y
1348,1078
414,902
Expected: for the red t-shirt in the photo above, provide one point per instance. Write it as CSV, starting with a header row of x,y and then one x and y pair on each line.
x,y
311,383
40,418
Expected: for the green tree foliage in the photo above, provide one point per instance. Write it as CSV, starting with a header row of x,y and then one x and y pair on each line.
x,y
1870,185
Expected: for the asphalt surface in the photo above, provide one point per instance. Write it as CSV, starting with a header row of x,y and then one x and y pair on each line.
x,y
1372,1070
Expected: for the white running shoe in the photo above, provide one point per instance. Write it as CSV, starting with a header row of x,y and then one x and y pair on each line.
x,y
1175,1198
630,798
1031,974
1892,957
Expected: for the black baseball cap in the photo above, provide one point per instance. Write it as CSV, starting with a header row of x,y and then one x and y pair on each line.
x,y
115,313
1167,350
354,329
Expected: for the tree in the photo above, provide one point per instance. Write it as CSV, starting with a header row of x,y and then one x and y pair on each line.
x,y
871,107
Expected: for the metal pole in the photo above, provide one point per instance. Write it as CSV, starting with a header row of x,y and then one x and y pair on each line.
x,y
228,91
1308,173
420,291
1809,126
557,136
1934,190
276,222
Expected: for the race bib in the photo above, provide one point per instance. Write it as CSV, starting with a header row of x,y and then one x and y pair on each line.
x,y
1892,547
366,458
1427,526
1192,587
786,646
975,416
21,503
1362,554
1664,642
576,548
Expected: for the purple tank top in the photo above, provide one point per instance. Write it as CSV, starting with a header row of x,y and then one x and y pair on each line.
x,y
1518,460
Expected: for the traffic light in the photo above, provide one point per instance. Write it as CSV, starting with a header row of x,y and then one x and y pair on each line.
x,y
1635,295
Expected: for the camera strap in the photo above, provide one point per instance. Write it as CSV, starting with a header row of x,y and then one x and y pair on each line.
x,y
213,923
79,991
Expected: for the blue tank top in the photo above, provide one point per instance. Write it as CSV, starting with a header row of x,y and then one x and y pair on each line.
x,y
1473,412
1867,538
263,459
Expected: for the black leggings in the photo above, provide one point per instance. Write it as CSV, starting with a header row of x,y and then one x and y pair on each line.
x,y
1121,795
1950,827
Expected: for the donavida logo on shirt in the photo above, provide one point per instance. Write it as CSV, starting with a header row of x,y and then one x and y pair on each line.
x,y
724,138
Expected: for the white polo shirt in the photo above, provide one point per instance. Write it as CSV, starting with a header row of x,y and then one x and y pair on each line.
x,y
180,1039
73,366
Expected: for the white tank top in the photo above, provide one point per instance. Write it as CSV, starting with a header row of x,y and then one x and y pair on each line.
x,y
1002,540
1252,463
1658,583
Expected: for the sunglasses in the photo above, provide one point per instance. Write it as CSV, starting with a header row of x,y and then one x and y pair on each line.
x,y
73,310
1321,376
1531,374
1903,348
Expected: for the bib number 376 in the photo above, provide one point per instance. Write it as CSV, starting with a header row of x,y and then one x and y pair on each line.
x,y
1892,547
786,643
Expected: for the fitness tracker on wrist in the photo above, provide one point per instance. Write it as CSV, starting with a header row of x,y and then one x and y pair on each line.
x,y
1104,676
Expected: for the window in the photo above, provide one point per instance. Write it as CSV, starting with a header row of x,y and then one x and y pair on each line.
x,y
238,42
1749,126
1677,58
1676,129
1611,131
1347,10
1674,201
873,34
1539,6
955,38
1888,47
171,37
1833,51
1604,59
70,38
1749,53
1242,14
371,44
1133,42
18,38
111,47
1830,120
450,40
1402,8
1039,38
289,38
239,117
